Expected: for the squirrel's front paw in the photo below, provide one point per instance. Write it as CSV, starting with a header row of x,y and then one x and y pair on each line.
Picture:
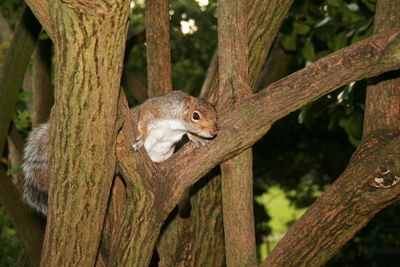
x,y
136,146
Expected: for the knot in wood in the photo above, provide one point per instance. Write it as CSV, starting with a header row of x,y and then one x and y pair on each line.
x,y
384,178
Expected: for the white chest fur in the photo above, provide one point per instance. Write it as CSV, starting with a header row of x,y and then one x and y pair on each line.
x,y
162,137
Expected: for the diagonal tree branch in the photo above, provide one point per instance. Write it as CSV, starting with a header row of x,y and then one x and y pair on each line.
x,y
249,120
41,10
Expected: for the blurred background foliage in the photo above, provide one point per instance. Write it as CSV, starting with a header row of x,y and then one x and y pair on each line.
x,y
304,152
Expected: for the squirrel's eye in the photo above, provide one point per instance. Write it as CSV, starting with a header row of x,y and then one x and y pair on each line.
x,y
196,116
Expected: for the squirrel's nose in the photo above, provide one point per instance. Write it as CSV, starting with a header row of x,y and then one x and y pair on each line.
x,y
213,133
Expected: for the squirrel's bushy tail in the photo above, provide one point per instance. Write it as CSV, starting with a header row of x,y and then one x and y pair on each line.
x,y
35,168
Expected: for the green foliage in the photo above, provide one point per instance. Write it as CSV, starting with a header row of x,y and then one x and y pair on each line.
x,y
11,248
22,118
314,29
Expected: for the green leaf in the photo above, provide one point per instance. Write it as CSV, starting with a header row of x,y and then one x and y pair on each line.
x,y
308,51
340,41
289,42
22,119
301,28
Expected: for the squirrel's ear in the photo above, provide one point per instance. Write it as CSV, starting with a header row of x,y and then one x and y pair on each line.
x,y
189,101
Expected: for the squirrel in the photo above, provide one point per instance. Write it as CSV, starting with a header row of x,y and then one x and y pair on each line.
x,y
161,123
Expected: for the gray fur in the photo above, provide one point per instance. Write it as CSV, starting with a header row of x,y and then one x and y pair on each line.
x,y
35,169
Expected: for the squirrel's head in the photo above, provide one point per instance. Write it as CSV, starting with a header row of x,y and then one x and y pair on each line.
x,y
200,117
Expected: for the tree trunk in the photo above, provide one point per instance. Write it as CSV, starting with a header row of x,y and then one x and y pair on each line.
x,y
236,173
89,47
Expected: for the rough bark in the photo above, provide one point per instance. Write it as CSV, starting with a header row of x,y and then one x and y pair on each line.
x,y
159,72
115,213
236,173
43,93
15,62
237,203
89,47
197,239
28,227
383,97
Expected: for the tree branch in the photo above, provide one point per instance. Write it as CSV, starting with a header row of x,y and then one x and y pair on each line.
x,y
249,120
159,73
41,10
133,87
